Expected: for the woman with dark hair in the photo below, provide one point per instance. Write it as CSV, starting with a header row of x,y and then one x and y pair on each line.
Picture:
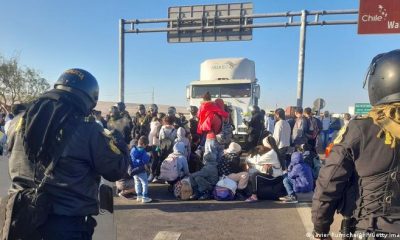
x,y
265,163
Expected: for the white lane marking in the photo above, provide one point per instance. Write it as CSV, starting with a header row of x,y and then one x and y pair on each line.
x,y
304,210
165,235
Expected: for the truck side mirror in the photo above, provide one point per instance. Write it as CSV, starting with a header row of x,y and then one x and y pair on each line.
x,y
188,92
256,91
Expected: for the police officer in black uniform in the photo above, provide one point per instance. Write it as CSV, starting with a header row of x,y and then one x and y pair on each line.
x,y
141,123
88,153
121,123
361,176
255,127
122,109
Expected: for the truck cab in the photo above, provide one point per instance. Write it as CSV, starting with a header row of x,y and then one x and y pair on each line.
x,y
234,81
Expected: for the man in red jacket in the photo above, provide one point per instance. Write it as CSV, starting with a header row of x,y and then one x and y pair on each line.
x,y
211,115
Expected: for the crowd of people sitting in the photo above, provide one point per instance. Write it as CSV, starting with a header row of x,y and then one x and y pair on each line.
x,y
199,159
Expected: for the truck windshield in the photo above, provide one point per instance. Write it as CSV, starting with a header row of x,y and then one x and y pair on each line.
x,y
222,91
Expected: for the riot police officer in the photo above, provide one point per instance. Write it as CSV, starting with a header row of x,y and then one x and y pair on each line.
x,y
121,123
365,160
122,109
177,122
55,128
255,127
141,123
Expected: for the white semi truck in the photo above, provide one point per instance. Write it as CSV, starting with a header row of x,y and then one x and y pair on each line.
x,y
232,79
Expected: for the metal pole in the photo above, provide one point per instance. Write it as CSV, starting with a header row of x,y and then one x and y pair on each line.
x,y
152,96
302,46
121,61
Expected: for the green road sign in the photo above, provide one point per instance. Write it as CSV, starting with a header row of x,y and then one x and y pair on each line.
x,y
362,108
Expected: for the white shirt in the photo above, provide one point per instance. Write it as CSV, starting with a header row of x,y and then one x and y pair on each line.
x,y
267,158
153,138
282,134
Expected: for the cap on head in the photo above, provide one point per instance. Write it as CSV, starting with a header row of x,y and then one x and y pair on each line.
x,y
80,83
383,78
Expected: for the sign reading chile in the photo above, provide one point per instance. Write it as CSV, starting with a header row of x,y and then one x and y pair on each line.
x,y
379,16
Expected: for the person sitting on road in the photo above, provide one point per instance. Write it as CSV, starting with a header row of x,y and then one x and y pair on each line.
x,y
181,162
181,137
264,162
231,167
196,155
203,181
298,179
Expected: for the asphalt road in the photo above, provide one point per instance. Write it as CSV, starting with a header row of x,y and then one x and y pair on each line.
x,y
168,219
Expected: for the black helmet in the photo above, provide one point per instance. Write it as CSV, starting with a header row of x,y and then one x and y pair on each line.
x,y
383,78
255,108
121,106
114,111
153,108
141,107
193,109
80,83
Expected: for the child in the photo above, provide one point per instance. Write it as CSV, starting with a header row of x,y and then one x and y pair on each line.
x,y
181,137
140,159
179,157
298,179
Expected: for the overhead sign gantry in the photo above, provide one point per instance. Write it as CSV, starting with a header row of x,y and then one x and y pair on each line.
x,y
227,22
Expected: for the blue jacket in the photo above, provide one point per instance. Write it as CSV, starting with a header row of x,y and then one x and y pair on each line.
x,y
139,158
300,174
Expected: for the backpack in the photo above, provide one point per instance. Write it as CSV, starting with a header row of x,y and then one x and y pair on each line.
x,y
223,194
169,168
225,136
166,144
314,162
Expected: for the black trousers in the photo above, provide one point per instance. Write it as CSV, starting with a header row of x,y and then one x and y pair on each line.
x,y
59,227
253,180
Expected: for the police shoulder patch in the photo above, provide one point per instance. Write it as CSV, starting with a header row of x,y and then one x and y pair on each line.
x,y
111,142
113,147
341,133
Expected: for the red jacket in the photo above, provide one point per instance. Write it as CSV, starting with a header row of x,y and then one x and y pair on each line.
x,y
210,118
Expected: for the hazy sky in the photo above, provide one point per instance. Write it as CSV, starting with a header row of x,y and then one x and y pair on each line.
x,y
52,36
